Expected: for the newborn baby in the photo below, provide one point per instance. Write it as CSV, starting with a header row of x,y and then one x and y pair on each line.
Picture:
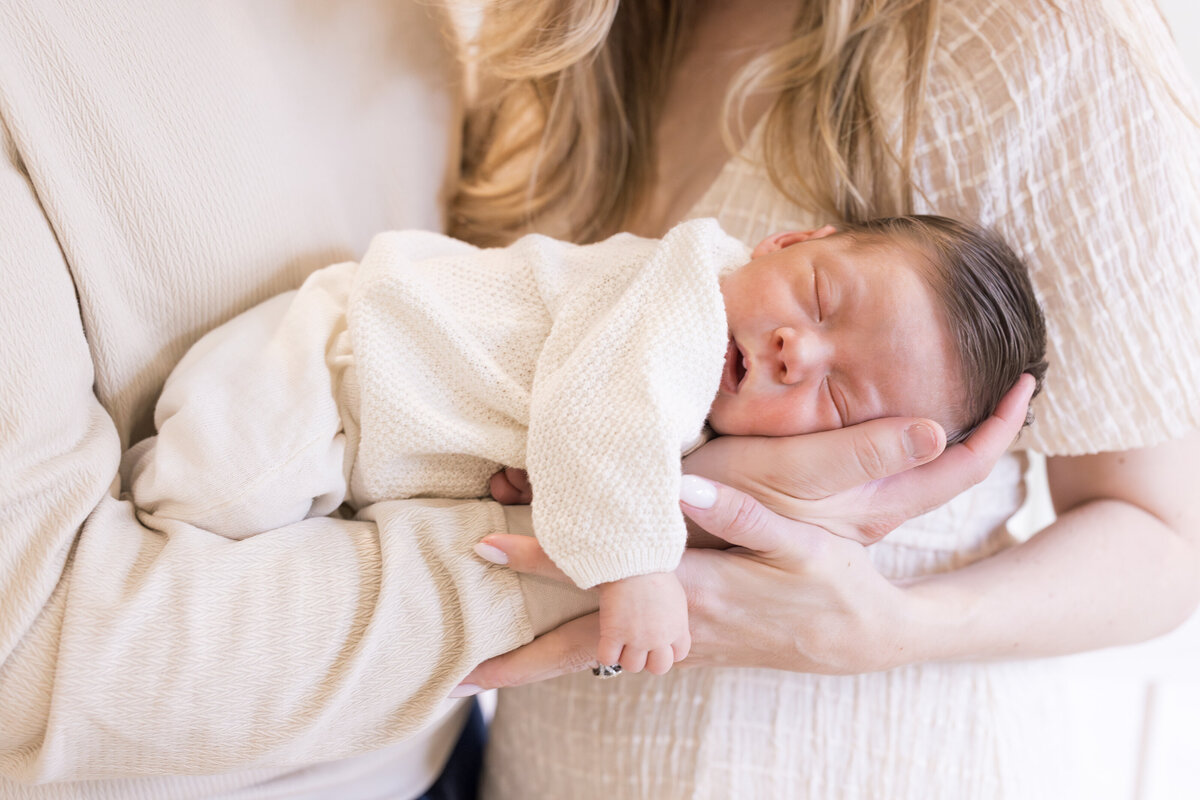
x,y
424,369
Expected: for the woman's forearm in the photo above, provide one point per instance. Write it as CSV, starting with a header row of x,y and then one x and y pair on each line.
x,y
1105,573
1120,564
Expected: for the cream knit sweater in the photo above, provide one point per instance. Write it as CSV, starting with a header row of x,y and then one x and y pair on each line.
x,y
163,167
425,369
591,366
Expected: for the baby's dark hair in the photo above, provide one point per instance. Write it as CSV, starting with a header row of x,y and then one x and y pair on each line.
x,y
996,325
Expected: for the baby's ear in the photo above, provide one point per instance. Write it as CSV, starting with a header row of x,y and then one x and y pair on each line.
x,y
778,241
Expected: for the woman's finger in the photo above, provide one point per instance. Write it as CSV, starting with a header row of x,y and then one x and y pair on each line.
x,y
834,461
997,432
520,553
571,647
962,465
786,473
731,515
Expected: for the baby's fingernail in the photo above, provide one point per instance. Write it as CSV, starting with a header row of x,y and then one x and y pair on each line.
x,y
697,492
489,553
919,441
465,690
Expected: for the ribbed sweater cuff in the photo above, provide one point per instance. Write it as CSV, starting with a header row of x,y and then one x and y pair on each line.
x,y
604,567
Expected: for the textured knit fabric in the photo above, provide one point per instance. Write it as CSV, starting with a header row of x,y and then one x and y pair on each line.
x,y
607,357
430,366
163,167
1093,174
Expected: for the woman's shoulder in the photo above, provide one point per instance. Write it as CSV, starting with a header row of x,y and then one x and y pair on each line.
x,y
1020,36
1073,134
1012,20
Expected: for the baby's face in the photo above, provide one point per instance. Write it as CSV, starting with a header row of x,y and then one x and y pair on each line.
x,y
825,332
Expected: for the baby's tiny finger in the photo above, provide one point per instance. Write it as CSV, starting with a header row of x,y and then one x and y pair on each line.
x,y
660,660
608,652
632,659
681,648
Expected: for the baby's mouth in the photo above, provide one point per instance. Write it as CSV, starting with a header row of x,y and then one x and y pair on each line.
x,y
735,368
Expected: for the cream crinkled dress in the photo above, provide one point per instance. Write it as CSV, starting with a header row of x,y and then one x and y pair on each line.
x,y
1094,178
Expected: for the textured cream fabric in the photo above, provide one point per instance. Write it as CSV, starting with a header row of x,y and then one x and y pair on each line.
x,y
1093,174
593,366
164,166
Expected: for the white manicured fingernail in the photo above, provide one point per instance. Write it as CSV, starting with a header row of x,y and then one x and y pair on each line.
x,y
697,492
465,690
492,554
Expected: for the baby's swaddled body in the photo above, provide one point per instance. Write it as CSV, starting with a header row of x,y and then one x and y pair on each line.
x,y
427,367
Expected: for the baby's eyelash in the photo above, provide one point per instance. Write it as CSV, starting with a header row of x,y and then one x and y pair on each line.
x,y
817,296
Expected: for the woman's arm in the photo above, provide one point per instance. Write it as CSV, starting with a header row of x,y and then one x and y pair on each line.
x,y
1111,240
858,480
1119,565
127,651
1128,530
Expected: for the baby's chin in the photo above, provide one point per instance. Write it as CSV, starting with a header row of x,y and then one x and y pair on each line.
x,y
722,422
725,420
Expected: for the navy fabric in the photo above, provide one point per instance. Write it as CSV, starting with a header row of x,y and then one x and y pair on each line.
x,y
460,779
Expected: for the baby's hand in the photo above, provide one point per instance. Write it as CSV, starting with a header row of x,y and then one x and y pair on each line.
x,y
643,623
510,487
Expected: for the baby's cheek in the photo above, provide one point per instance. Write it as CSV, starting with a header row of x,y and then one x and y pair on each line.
x,y
781,418
733,415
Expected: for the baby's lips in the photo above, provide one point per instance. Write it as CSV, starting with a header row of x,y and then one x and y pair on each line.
x,y
730,377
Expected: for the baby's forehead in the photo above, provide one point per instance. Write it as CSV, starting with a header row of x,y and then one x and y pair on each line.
x,y
856,242
873,262
875,253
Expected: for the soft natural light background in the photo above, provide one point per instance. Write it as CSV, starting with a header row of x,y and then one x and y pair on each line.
x,y
1139,707
1184,18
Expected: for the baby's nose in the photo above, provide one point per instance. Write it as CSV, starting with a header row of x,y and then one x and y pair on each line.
x,y
801,353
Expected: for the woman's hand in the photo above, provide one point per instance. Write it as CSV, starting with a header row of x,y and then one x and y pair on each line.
x,y
792,595
863,481
788,596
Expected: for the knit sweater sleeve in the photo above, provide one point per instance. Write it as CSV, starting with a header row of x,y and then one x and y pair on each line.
x,y
127,651
624,382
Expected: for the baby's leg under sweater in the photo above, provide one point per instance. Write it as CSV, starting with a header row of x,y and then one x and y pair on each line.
x,y
250,436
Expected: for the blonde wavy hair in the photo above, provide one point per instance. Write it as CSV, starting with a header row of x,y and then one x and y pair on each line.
x,y
560,133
